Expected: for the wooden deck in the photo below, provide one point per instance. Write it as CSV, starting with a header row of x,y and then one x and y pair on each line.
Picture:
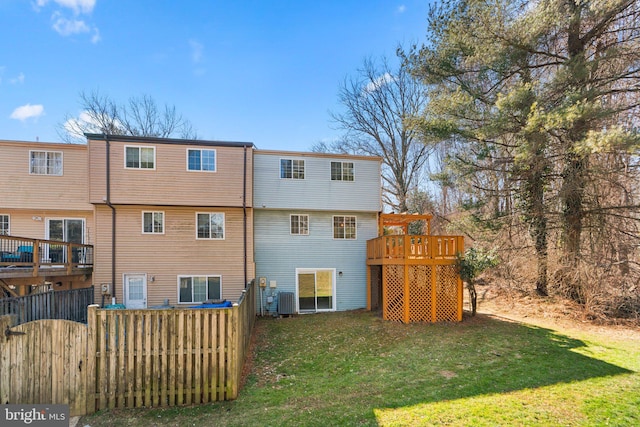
x,y
414,249
25,261
413,278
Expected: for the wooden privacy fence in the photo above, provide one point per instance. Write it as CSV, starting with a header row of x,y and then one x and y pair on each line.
x,y
68,305
130,358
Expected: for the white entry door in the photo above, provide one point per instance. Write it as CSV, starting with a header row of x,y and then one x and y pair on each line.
x,y
135,291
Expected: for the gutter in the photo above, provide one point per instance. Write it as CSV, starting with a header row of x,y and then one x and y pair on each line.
x,y
244,212
113,217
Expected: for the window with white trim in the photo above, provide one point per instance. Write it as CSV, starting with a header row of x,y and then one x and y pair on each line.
x,y
153,222
201,160
4,225
342,171
291,169
300,225
344,227
192,289
210,225
140,157
45,163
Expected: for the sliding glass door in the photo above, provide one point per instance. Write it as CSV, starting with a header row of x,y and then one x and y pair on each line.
x,y
316,289
69,230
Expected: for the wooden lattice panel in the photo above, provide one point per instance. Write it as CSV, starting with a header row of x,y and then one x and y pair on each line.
x,y
446,293
420,293
394,292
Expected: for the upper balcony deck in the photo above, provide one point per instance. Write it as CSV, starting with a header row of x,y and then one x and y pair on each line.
x,y
413,249
22,257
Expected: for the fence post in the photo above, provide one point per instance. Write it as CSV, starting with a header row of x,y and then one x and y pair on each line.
x,y
232,353
91,358
6,321
406,289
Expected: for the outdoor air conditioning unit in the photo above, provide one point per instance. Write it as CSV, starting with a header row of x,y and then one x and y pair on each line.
x,y
286,303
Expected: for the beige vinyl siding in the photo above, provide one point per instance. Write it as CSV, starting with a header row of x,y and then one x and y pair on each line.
x,y
22,190
170,183
176,252
32,223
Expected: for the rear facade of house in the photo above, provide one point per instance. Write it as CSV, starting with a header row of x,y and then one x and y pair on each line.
x,y
45,196
179,222
173,219
313,215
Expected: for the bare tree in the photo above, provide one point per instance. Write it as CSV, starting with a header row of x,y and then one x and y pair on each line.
x,y
378,102
140,116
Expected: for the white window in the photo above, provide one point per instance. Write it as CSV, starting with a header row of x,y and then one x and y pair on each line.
x,y
344,227
4,225
201,160
300,224
153,222
342,171
210,225
45,163
291,169
193,289
140,157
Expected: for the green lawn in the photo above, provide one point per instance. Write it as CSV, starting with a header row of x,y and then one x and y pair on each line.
x,y
356,369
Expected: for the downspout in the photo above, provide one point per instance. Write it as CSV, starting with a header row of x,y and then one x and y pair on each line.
x,y
113,217
244,212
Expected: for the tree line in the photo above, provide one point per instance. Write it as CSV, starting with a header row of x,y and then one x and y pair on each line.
x,y
524,117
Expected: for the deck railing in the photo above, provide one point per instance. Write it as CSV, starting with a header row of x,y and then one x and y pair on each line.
x,y
418,247
22,252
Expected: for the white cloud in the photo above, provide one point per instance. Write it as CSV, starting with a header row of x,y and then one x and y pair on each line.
x,y
401,8
64,24
96,36
27,111
197,50
78,6
18,79
85,122
378,83
67,27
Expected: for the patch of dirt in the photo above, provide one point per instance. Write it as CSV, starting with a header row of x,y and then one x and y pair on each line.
x,y
548,312
448,374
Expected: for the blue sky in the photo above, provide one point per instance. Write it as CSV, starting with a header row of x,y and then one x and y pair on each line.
x,y
266,72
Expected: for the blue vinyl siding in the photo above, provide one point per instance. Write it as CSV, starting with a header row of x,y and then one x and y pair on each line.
x,y
278,253
316,191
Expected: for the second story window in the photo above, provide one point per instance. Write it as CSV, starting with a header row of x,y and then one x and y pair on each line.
x,y
342,171
344,227
153,222
210,225
4,225
201,160
300,224
291,169
45,163
140,157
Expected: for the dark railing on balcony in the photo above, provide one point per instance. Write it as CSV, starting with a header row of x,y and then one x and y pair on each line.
x,y
414,247
21,252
